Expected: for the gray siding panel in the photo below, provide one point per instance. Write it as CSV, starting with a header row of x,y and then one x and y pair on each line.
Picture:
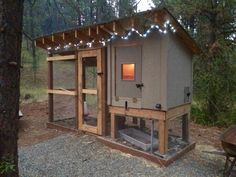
x,y
151,92
122,99
128,55
152,70
179,71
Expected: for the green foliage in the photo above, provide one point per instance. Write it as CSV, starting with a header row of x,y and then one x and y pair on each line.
x,y
126,7
212,25
46,16
6,166
32,89
214,85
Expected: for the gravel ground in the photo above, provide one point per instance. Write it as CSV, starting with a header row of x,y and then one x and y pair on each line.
x,y
73,156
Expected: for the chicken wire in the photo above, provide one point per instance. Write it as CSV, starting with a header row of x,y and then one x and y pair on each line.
x,y
64,75
64,112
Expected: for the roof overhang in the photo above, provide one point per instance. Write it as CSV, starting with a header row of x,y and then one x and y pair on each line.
x,y
97,32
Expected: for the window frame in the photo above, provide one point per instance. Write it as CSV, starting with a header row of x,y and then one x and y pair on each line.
x,y
134,76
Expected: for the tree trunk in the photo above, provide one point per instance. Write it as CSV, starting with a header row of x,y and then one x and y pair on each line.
x,y
211,107
10,50
79,22
91,16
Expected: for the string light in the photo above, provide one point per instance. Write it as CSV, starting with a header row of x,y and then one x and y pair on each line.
x,y
167,25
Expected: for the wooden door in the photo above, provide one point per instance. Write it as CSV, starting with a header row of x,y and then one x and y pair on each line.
x,y
91,93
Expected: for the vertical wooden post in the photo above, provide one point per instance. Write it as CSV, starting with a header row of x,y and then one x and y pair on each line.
x,y
76,89
100,107
101,57
50,86
113,126
185,127
121,122
104,88
142,123
163,136
152,135
135,120
80,94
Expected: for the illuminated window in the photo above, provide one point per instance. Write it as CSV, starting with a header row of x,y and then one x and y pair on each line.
x,y
128,71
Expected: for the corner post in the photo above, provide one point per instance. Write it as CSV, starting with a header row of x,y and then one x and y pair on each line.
x,y
163,136
113,126
76,89
50,86
185,127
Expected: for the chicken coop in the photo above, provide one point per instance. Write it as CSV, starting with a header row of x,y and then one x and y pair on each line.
x,y
129,81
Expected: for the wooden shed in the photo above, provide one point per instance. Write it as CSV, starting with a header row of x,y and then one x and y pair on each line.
x,y
130,81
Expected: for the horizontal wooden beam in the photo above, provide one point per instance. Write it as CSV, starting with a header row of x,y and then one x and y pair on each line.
x,y
116,27
62,92
149,156
102,33
47,41
89,128
144,113
97,33
79,36
61,58
178,111
107,29
89,91
89,53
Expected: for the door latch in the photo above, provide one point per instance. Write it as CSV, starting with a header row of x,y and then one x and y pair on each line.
x,y
139,85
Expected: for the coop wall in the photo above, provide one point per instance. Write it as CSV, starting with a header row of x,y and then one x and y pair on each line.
x,y
179,73
153,69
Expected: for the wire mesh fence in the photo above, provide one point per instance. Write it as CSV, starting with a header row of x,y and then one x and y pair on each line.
x,y
64,75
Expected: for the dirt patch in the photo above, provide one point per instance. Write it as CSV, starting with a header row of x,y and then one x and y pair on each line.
x,y
32,128
206,135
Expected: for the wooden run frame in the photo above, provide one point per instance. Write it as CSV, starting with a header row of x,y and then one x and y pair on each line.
x,y
100,91
163,118
51,91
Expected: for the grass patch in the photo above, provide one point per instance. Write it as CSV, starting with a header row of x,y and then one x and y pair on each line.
x,y
33,83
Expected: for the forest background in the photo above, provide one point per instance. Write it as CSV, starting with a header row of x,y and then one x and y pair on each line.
x,y
212,23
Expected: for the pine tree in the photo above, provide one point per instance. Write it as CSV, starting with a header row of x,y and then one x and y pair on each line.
x,y
212,24
11,12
